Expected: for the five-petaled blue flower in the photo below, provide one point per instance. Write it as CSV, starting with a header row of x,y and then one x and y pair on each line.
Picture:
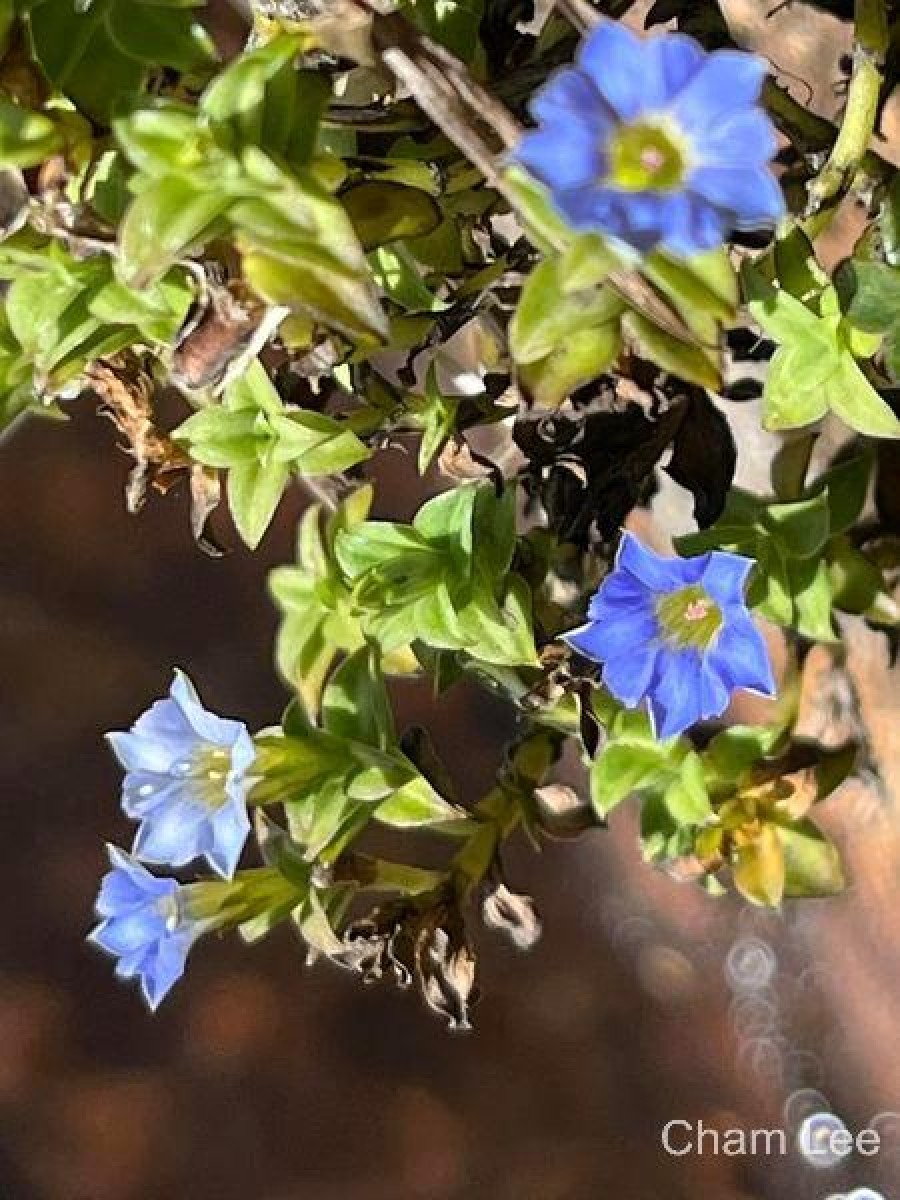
x,y
656,142
675,632
186,781
144,925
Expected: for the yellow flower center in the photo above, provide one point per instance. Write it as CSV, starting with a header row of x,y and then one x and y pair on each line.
x,y
688,617
646,157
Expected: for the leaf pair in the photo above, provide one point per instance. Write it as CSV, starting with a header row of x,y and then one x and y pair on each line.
x,y
261,443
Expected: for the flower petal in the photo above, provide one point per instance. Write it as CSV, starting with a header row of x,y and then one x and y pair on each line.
x,y
229,828
740,139
725,577
741,657
700,226
620,633
618,63
172,836
751,195
126,934
618,590
221,731
727,81
570,96
139,753
659,573
675,60
629,675
562,159
676,693
165,968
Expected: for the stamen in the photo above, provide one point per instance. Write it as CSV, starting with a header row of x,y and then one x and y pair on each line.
x,y
696,610
652,158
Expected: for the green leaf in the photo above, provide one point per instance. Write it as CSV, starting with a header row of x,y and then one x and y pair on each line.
x,y
254,491
802,527
315,444
624,767
813,370
453,23
846,486
758,868
417,804
686,796
438,415
383,212
315,603
689,362
547,315
703,290
577,361
217,437
355,703
812,863
26,138
162,224
128,37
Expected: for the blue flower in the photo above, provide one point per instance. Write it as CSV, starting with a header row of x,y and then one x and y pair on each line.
x,y
655,142
143,925
675,632
186,781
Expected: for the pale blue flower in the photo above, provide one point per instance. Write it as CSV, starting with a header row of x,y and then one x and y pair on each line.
x,y
144,925
656,142
675,632
186,781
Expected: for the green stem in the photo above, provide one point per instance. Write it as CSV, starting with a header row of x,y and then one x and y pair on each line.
x,y
503,809
858,125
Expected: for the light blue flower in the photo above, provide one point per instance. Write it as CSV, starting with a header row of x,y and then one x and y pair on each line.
x,y
144,925
675,632
186,781
656,142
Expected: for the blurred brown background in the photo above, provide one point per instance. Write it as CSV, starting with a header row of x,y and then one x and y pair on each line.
x,y
644,1002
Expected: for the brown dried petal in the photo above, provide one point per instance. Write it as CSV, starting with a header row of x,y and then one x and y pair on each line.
x,y
511,913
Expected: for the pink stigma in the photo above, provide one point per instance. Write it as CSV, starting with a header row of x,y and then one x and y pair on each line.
x,y
696,610
652,158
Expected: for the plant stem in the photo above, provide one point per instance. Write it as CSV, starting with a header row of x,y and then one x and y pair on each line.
x,y
852,142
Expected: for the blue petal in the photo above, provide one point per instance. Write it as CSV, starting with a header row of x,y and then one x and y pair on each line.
x,y
562,157
656,572
139,753
618,590
243,753
167,967
676,694
729,80
725,577
741,657
164,721
119,893
219,730
165,790
623,633
740,139
700,227
126,934
620,66
591,208
230,827
675,60
128,885
569,97
752,195
172,836
628,676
